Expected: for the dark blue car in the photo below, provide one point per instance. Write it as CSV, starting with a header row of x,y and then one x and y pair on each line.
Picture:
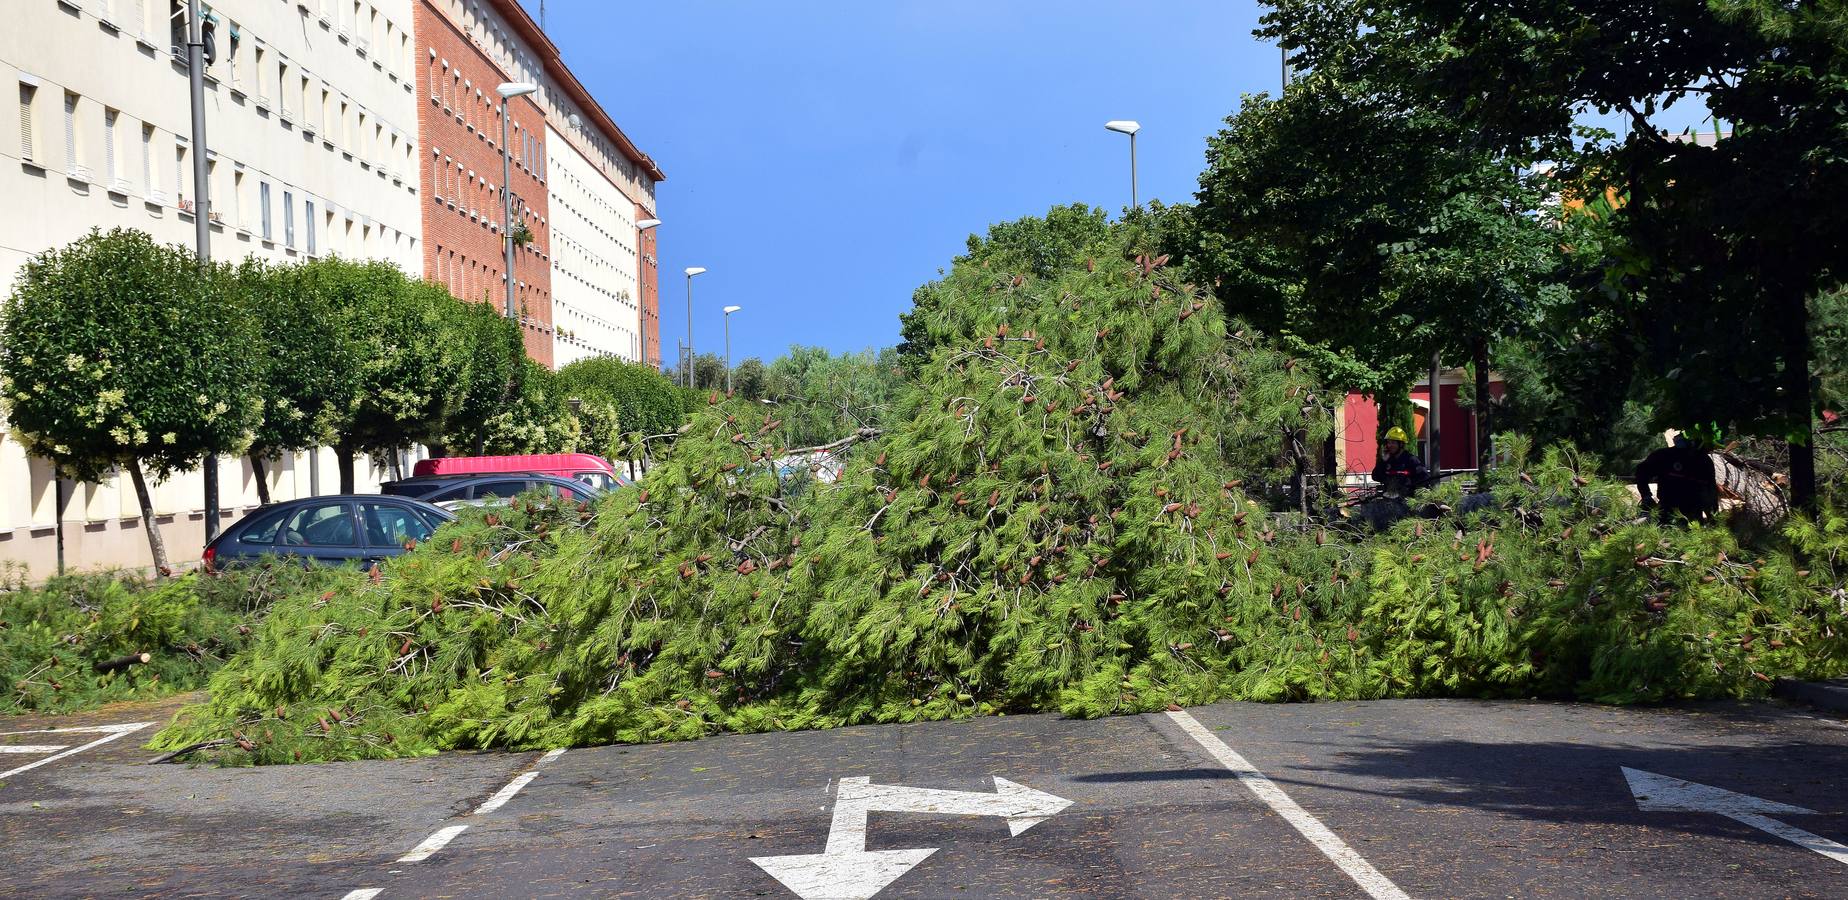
x,y
355,528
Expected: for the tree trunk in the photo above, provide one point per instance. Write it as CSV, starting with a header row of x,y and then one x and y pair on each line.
x,y
1484,434
397,466
1800,396
1754,489
256,466
1433,433
343,454
156,545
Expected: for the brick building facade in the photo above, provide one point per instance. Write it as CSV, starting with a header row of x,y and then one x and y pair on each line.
x,y
650,276
459,131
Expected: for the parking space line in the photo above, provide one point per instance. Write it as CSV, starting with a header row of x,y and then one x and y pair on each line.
x,y
433,843
362,894
1364,874
109,732
444,835
33,748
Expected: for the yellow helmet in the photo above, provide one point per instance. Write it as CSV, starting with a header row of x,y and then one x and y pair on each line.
x,y
1395,433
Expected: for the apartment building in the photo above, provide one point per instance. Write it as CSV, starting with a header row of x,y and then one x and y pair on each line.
x,y
311,121
583,283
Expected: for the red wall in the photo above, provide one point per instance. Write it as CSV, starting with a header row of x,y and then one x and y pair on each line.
x,y
1456,426
464,251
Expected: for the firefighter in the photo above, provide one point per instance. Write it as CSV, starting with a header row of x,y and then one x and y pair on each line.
x,y
1685,485
1399,473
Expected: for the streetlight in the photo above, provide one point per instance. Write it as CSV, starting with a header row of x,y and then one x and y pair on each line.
x,y
1129,127
728,311
646,224
507,91
691,271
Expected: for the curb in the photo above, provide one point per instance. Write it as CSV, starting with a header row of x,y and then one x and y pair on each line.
x,y
1831,695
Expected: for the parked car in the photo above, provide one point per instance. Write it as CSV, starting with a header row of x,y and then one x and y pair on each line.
x,y
586,467
343,528
451,491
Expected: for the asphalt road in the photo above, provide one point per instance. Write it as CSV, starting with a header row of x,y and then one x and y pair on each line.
x,y
1387,799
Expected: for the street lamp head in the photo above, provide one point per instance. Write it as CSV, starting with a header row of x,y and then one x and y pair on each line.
x,y
732,309
1123,126
511,89
695,270
646,224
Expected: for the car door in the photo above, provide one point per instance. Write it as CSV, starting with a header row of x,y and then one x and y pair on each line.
x,y
323,531
390,529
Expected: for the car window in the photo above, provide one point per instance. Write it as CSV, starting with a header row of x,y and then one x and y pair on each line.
x,y
599,480
502,489
318,525
263,529
391,525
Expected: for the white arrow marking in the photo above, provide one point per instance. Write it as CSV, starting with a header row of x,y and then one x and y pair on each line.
x,y
108,732
846,870
1660,793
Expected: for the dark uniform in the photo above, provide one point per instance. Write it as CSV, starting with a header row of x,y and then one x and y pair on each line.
x,y
1685,483
1401,473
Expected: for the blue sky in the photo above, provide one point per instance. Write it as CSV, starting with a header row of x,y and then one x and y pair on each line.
x,y
825,158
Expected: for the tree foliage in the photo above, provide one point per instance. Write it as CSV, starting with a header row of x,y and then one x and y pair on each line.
x,y
645,401
118,350
307,356
821,397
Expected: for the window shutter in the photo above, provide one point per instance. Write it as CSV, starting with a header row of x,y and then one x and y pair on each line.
x,y
70,129
25,120
109,142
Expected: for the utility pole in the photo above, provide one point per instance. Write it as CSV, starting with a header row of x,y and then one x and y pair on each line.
x,y
202,210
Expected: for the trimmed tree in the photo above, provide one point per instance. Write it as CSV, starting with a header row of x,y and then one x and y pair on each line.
x,y
308,357
118,352
412,362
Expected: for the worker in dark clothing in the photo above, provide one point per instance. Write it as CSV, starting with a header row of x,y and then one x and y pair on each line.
x,y
1685,485
1399,473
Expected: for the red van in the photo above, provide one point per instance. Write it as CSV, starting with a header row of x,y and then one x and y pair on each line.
x,y
586,467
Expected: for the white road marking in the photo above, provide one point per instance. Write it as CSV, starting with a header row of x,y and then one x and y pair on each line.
x,y
846,870
362,894
1660,793
33,748
108,732
504,794
444,835
1364,874
433,843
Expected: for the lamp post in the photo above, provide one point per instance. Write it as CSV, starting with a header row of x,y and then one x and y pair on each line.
x,y
691,271
202,219
1129,127
728,311
508,91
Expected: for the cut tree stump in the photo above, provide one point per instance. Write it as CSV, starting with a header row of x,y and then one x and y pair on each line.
x,y
1753,489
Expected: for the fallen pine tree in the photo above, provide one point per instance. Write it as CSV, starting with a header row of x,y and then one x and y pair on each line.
x,y
1055,519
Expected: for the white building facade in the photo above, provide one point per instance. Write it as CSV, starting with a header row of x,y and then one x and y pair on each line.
x,y
311,125
596,288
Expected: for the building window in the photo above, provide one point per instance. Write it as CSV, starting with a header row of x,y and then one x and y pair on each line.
x,y
109,147
237,199
263,209
179,174
147,161
308,219
71,164
288,219
26,94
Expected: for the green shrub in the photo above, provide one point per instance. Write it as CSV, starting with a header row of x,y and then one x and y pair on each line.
x,y
51,637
